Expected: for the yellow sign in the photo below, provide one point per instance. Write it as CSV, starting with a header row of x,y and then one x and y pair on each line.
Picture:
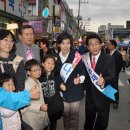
x,y
56,29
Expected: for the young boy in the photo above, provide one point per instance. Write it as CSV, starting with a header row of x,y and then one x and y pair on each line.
x,y
10,119
36,115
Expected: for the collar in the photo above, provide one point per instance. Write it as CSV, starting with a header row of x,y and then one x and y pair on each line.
x,y
63,58
33,81
97,56
111,53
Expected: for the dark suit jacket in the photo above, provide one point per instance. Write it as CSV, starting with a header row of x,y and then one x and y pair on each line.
x,y
118,61
94,98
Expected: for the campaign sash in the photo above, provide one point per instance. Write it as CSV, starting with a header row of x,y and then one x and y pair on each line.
x,y
68,68
109,91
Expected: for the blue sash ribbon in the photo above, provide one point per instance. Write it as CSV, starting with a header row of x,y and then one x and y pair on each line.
x,y
108,90
67,68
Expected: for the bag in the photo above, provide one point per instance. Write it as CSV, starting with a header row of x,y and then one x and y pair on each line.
x,y
25,126
56,108
127,64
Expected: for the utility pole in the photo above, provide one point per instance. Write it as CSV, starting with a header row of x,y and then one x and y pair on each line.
x,y
79,14
79,17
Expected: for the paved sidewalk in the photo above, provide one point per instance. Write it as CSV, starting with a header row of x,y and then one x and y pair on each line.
x,y
119,119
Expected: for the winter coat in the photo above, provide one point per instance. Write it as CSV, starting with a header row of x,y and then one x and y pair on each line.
x,y
10,119
37,119
13,100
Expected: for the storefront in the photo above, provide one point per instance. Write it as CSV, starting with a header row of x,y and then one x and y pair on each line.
x,y
12,12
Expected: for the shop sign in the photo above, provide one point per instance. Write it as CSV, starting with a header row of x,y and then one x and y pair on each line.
x,y
16,7
37,26
56,29
45,12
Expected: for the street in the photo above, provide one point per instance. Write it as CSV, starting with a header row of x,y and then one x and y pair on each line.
x,y
119,118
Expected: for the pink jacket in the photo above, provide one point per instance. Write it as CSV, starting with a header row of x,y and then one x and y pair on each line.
x,y
10,119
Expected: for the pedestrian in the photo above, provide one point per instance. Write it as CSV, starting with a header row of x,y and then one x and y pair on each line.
x,y
44,48
118,66
55,47
52,85
10,63
26,47
125,57
82,46
36,116
97,105
70,67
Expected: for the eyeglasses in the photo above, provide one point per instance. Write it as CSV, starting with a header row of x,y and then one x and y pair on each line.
x,y
35,70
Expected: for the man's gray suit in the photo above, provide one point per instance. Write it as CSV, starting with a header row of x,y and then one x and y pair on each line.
x,y
21,51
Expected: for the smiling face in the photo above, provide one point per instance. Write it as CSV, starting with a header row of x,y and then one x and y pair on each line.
x,y
65,46
94,46
6,44
49,65
9,85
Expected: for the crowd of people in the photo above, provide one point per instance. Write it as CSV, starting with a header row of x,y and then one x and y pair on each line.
x,y
46,81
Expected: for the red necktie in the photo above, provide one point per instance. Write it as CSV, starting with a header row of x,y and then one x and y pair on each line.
x,y
93,63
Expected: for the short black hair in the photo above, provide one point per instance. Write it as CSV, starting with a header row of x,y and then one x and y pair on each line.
x,y
113,42
92,36
24,27
63,36
4,78
44,41
84,35
53,43
47,57
30,63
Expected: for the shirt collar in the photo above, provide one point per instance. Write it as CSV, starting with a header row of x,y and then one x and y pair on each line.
x,y
112,51
63,58
97,56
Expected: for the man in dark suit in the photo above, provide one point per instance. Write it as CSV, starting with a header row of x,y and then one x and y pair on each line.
x,y
97,105
118,66
26,47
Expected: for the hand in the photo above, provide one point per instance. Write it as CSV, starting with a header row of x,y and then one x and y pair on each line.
x,y
34,93
43,107
63,87
100,80
77,80
85,92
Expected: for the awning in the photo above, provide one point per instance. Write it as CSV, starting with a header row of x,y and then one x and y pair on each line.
x,y
12,16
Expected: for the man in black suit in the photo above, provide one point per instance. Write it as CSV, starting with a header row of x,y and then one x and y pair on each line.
x,y
97,105
118,66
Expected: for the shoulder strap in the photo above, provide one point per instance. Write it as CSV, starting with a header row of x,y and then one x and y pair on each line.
x,y
16,62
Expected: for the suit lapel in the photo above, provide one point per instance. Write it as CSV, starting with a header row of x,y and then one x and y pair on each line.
x,y
33,51
22,50
99,64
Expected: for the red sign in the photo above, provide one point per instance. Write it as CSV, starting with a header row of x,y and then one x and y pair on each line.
x,y
31,2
